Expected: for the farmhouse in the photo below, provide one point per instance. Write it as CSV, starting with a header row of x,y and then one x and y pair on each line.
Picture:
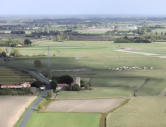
x,y
62,86
20,45
23,85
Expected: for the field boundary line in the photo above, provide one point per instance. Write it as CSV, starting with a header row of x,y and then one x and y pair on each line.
x,y
22,116
91,98
163,92
104,116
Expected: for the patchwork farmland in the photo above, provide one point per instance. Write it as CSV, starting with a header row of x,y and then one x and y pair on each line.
x,y
105,67
95,60
83,70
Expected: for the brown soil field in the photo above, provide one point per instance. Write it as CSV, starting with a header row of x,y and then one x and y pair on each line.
x,y
93,105
12,107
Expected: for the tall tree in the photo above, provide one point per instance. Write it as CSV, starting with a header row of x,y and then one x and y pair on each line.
x,y
38,64
27,42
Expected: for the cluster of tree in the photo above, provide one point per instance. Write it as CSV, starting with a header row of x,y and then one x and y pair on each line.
x,y
9,42
61,36
37,64
132,40
66,79
37,84
27,42
119,33
71,35
143,30
156,36
17,32
157,27
5,53
86,84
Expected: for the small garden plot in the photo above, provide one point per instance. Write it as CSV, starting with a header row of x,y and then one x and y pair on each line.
x,y
92,105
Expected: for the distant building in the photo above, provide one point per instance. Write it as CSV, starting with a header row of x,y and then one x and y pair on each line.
x,y
20,45
78,81
61,86
64,86
24,85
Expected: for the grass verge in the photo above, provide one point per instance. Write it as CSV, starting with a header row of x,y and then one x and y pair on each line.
x,y
103,118
22,116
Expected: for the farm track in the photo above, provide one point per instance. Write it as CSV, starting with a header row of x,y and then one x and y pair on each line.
x,y
143,53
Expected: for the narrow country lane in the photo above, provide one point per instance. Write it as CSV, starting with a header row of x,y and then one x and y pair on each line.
x,y
28,114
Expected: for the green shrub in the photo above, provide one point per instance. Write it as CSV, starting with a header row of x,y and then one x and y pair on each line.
x,y
132,40
15,53
43,104
85,85
76,87
50,94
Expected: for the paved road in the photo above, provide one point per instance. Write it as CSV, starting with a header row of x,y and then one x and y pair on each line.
x,y
38,76
41,78
31,110
28,114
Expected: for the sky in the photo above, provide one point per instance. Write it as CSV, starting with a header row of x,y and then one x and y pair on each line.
x,y
83,7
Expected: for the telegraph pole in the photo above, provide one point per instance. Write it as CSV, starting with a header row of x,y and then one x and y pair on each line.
x,y
49,71
48,57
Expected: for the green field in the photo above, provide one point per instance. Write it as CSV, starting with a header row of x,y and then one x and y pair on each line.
x,y
140,112
64,120
11,76
96,92
97,58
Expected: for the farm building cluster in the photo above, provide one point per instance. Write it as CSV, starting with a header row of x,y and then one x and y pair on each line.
x,y
38,84
18,86
23,85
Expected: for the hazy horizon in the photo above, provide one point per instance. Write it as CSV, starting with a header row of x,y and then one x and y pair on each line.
x,y
76,7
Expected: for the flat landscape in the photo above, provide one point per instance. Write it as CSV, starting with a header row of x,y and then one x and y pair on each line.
x,y
88,63
100,63
95,105
96,61
12,107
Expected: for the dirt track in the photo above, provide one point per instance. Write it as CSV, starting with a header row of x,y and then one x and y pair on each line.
x,y
12,107
94,105
142,53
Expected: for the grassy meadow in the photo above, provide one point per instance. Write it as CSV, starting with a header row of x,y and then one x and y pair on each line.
x,y
97,59
64,120
96,92
140,112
